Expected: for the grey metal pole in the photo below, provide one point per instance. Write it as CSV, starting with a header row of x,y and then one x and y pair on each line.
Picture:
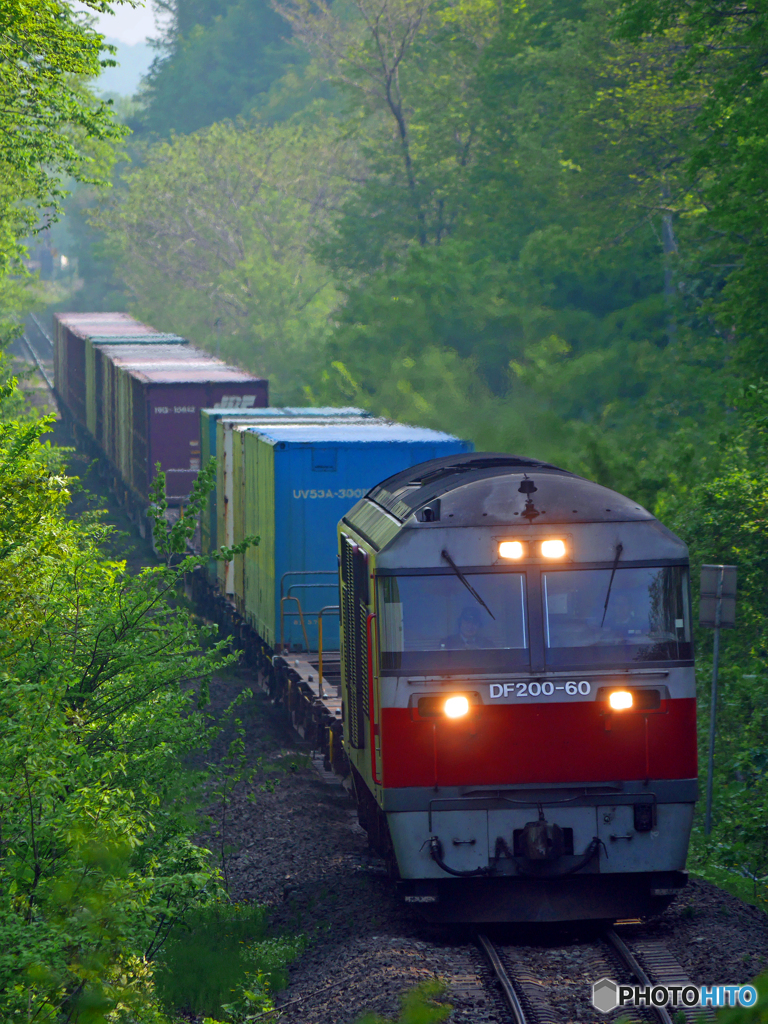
x,y
713,701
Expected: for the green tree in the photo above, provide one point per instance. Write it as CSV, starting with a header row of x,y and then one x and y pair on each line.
x,y
54,130
218,59
46,53
724,49
722,516
95,860
215,232
548,262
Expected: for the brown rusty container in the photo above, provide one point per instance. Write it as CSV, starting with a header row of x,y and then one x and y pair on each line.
x,y
69,360
77,365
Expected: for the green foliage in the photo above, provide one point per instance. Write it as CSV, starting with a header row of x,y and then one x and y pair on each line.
x,y
95,860
722,516
504,211
552,211
46,52
423,1004
219,59
215,231
518,237
222,963
724,49
757,1014
95,284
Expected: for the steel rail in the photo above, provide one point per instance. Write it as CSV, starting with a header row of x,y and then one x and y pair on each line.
x,y
508,989
42,330
628,959
35,359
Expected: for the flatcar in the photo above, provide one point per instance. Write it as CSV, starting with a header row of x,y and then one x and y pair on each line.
x,y
518,691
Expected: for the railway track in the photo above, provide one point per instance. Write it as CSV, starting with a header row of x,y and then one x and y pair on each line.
x,y
541,986
505,981
40,352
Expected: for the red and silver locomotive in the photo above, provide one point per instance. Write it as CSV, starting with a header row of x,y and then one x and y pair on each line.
x,y
519,695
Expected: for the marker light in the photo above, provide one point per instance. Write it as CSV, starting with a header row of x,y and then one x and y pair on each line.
x,y
553,548
455,707
620,700
511,549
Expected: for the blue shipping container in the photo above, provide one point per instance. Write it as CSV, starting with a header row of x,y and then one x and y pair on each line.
x,y
300,481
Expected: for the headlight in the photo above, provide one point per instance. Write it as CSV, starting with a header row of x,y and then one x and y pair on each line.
x,y
456,707
620,700
511,549
553,548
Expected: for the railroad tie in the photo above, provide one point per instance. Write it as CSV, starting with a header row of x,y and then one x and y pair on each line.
x,y
664,969
532,989
468,986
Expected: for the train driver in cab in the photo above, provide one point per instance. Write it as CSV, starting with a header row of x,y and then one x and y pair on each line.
x,y
469,635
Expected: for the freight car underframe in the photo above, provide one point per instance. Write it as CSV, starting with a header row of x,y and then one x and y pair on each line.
x,y
290,680
543,889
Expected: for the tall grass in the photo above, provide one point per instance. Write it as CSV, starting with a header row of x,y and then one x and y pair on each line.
x,y
220,957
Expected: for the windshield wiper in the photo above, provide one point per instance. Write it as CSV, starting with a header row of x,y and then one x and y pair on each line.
x,y
466,582
619,549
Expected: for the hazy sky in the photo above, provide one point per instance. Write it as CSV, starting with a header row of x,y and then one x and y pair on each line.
x,y
128,24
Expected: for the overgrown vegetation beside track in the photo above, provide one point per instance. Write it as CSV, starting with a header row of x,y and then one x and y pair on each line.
x,y
98,871
723,517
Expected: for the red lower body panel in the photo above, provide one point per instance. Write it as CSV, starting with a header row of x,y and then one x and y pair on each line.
x,y
547,743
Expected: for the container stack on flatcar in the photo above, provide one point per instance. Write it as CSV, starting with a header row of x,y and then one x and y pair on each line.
x,y
137,394
286,477
214,448
223,437
300,478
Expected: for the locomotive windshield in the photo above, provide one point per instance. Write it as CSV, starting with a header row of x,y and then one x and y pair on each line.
x,y
641,615
434,622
